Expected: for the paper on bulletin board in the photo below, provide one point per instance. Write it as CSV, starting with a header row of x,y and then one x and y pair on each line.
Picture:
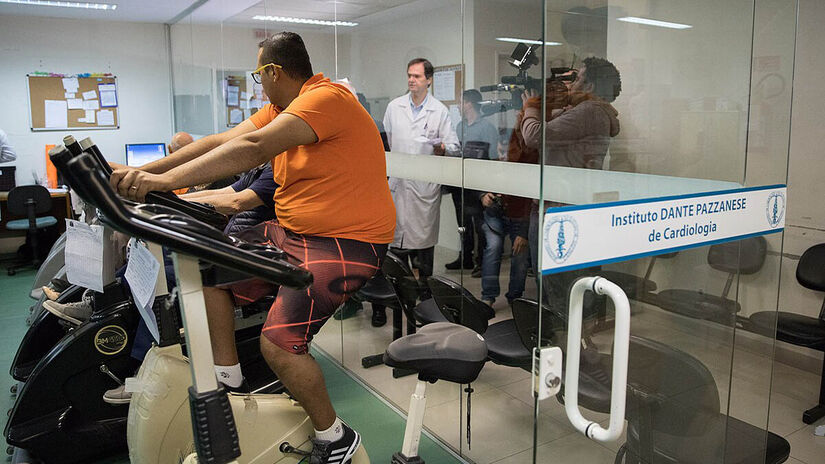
x,y
91,105
108,98
75,103
90,95
70,84
444,85
57,114
232,94
235,116
105,118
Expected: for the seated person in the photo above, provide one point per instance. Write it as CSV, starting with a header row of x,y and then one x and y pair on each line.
x,y
335,216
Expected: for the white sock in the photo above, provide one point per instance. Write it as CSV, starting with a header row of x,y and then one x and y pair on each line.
x,y
334,433
231,376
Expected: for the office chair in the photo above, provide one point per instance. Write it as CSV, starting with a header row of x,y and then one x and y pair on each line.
x,y
396,287
798,329
459,306
741,257
29,201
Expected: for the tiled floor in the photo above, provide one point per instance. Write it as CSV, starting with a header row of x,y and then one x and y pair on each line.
x,y
380,426
503,407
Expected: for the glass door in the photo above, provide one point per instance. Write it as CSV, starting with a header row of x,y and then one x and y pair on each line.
x,y
667,119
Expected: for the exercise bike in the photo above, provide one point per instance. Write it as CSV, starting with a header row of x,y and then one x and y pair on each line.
x,y
59,415
215,414
268,428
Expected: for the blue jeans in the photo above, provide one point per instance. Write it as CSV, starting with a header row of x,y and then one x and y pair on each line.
x,y
495,230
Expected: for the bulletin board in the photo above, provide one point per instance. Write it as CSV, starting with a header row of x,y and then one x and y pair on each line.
x,y
448,82
93,103
235,86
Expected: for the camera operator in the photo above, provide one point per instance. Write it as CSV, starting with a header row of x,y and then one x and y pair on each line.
x,y
507,216
581,120
580,125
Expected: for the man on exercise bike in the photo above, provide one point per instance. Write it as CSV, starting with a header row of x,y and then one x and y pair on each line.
x,y
334,209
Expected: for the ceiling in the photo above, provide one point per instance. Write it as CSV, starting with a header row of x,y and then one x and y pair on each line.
x,y
342,10
213,11
143,11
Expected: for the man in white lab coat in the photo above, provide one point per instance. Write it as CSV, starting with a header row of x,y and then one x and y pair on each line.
x,y
417,123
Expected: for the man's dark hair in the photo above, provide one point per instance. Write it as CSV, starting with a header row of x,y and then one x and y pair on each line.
x,y
606,80
287,50
428,67
472,96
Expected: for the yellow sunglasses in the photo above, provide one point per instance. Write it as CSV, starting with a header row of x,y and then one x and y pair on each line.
x,y
256,74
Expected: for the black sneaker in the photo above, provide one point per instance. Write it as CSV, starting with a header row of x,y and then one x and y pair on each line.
x,y
379,317
476,272
336,452
455,265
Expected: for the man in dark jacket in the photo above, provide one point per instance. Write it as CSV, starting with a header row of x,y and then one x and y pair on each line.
x,y
580,125
249,200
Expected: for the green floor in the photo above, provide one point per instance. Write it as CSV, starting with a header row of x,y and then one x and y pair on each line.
x,y
381,428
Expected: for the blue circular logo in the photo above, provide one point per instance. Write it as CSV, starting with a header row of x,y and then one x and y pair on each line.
x,y
561,233
775,209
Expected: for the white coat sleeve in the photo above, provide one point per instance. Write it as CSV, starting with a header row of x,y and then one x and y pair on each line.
x,y
448,135
388,126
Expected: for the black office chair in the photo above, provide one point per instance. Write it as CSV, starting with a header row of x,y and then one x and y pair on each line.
x,y
672,401
410,292
29,201
798,329
459,306
396,287
639,288
743,257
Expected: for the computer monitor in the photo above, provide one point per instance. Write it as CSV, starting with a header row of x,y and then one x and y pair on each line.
x,y
138,154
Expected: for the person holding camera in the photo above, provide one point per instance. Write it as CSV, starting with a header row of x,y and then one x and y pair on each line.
x,y
581,121
580,124
507,216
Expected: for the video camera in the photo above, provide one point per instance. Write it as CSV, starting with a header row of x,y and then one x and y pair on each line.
x,y
522,58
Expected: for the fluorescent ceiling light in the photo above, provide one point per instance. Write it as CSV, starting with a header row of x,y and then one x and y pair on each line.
x,y
91,6
653,22
527,41
318,22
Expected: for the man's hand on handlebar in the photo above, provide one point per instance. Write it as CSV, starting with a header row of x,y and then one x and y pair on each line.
x,y
134,184
116,166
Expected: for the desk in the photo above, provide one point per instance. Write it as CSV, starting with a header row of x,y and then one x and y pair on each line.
x,y
61,209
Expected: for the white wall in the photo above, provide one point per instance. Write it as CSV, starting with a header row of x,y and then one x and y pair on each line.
x,y
200,51
380,49
134,52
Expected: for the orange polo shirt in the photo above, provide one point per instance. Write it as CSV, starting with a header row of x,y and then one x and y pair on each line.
x,y
336,187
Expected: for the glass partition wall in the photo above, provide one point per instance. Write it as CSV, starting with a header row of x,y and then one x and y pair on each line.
x,y
545,104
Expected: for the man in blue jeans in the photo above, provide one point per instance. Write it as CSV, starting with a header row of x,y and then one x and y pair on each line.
x,y
504,217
